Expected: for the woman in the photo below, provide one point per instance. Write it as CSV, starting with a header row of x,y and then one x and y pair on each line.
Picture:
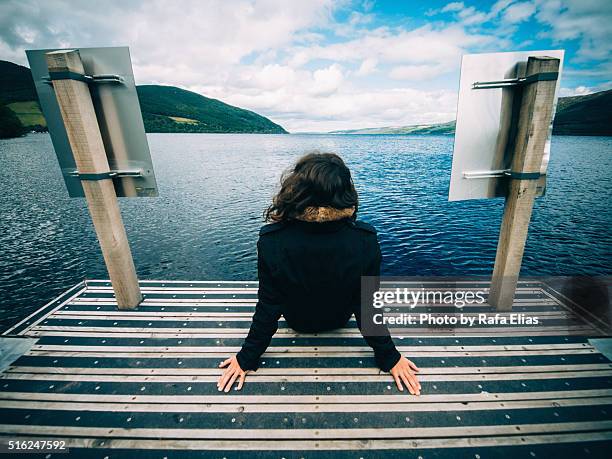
x,y
310,263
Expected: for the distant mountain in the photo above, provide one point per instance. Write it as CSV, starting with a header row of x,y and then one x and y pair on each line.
x,y
171,109
16,84
584,115
164,109
577,115
420,129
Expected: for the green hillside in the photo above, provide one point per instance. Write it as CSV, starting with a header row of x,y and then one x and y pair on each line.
x,y
19,109
16,84
584,115
164,109
29,113
171,109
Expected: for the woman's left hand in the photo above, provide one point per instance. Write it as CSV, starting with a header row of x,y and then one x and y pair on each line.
x,y
230,374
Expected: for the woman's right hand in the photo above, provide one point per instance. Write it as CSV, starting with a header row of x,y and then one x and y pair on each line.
x,y
404,371
231,373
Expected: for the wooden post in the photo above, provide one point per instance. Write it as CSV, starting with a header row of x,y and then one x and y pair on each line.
x,y
79,117
533,127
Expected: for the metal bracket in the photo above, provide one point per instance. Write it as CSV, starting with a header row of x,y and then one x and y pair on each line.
x,y
89,79
544,76
485,174
105,175
524,175
502,173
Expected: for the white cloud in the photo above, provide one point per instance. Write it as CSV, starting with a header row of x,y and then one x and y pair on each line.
x,y
587,21
443,46
577,91
583,91
327,81
415,72
367,67
471,16
194,34
268,77
295,62
357,18
499,6
453,6
467,15
519,12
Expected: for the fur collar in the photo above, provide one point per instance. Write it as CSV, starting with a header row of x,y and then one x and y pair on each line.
x,y
325,214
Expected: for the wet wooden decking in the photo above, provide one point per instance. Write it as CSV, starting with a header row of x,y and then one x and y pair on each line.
x,y
143,383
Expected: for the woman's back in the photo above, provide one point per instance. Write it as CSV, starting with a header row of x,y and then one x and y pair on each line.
x,y
317,266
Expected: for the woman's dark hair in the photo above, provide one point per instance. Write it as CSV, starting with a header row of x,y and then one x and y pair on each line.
x,y
318,180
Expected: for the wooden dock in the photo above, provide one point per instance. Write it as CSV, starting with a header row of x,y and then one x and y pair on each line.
x,y
142,383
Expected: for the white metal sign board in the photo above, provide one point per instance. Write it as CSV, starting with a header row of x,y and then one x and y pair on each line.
x,y
108,72
484,115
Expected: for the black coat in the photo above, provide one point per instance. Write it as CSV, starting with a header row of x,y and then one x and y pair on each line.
x,y
310,273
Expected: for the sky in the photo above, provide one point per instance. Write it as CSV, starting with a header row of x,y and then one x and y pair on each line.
x,y
320,65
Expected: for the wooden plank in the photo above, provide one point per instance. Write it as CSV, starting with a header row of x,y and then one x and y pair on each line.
x,y
226,292
533,128
188,301
227,312
222,354
416,281
386,378
68,403
106,333
429,297
236,302
193,374
243,323
339,377
534,285
292,434
251,293
412,444
341,332
106,282
415,341
347,400
75,313
248,316
413,284
298,349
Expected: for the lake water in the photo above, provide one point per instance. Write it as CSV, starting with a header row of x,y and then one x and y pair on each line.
x,y
214,187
